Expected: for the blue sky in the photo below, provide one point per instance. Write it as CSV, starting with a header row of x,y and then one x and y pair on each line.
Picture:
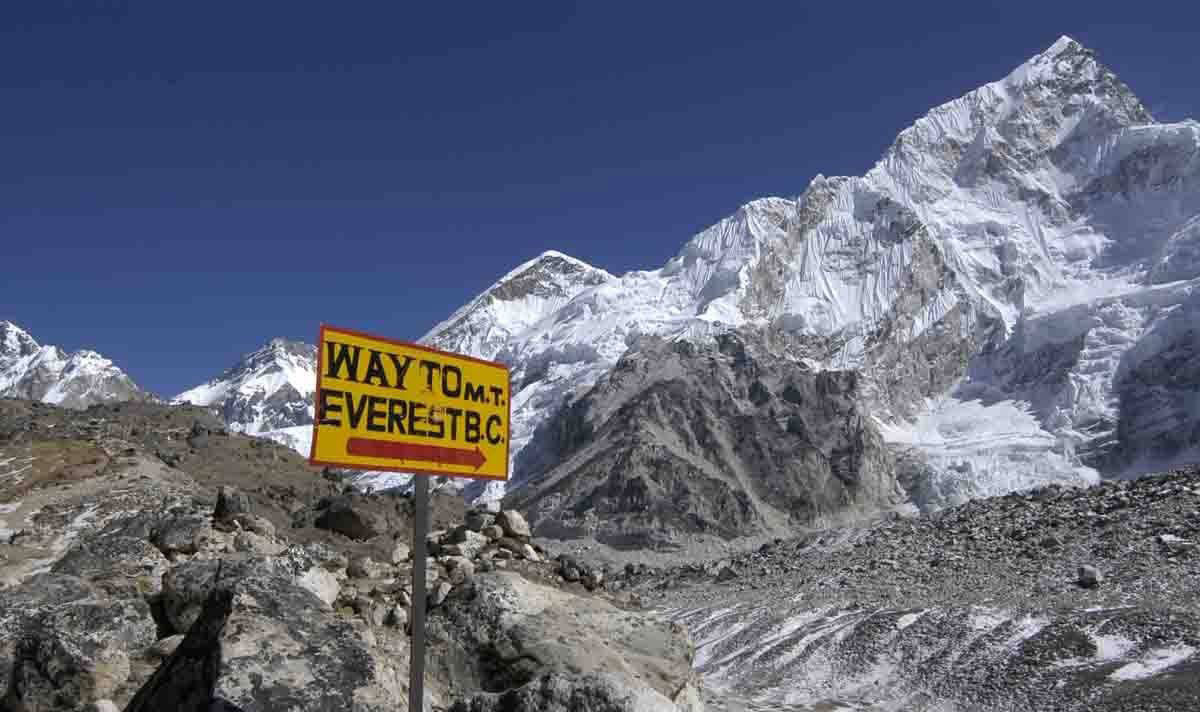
x,y
181,181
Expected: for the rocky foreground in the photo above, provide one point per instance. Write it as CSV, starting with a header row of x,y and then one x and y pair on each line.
x,y
1049,599
151,560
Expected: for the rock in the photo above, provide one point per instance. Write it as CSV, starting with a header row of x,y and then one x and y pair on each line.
x,y
492,531
1174,544
515,633
371,611
230,502
529,553
592,579
256,524
166,646
277,631
102,706
119,566
366,567
439,593
477,520
514,546
59,641
400,553
1089,576
558,692
468,544
321,584
181,534
513,524
340,515
569,568
459,569
247,541
397,616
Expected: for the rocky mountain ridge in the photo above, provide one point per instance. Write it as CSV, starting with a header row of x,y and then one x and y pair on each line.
x,y
1014,282
47,373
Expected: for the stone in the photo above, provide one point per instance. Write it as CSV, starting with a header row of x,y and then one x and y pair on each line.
x,y
1089,576
592,579
561,692
256,524
516,546
492,532
181,534
459,569
513,524
469,544
569,568
321,583
103,706
342,516
166,646
248,541
397,616
272,624
477,520
517,633
230,502
366,567
726,573
530,553
119,566
439,593
401,553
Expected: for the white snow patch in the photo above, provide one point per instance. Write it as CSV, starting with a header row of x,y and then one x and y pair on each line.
x,y
1153,663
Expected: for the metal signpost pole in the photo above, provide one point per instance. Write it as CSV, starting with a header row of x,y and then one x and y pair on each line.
x,y
416,683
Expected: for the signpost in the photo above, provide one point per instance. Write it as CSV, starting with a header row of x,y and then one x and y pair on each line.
x,y
391,405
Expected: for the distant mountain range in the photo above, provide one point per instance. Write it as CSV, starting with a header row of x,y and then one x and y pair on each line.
x,y
1010,297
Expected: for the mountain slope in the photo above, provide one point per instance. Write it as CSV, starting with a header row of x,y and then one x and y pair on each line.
x,y
266,390
47,373
1013,282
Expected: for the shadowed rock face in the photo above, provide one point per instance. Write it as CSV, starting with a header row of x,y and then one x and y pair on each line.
x,y
724,439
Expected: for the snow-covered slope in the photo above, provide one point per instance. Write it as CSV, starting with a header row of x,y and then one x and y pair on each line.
x,y
47,373
267,390
1014,280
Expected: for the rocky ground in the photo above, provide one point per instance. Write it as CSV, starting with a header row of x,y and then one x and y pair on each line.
x,y
150,559
1055,598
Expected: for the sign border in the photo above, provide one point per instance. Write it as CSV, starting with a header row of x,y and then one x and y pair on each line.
x,y
420,347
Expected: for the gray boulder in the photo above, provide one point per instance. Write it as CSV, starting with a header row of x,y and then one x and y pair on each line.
x,y
119,566
509,633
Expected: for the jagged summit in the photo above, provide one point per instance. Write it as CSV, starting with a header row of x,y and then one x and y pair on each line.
x,y
47,373
1002,283
267,389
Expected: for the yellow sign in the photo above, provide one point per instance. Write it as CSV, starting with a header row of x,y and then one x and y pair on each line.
x,y
391,405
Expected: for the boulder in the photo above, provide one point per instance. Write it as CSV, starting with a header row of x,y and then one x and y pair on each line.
x,y
558,692
231,502
342,516
119,566
513,524
248,541
459,569
477,520
492,531
400,553
366,567
63,646
513,633
280,648
181,534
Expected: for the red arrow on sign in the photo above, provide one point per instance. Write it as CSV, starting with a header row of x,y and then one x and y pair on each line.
x,y
368,447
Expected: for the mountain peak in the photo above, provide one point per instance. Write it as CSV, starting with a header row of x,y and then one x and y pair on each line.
x,y
15,341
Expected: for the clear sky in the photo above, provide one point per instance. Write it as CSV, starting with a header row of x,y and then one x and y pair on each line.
x,y
180,181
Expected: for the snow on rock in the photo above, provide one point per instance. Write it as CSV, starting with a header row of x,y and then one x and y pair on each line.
x,y
269,389
1014,280
47,373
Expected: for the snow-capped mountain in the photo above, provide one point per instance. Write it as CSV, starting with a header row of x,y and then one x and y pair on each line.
x,y
1015,281
47,373
268,391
